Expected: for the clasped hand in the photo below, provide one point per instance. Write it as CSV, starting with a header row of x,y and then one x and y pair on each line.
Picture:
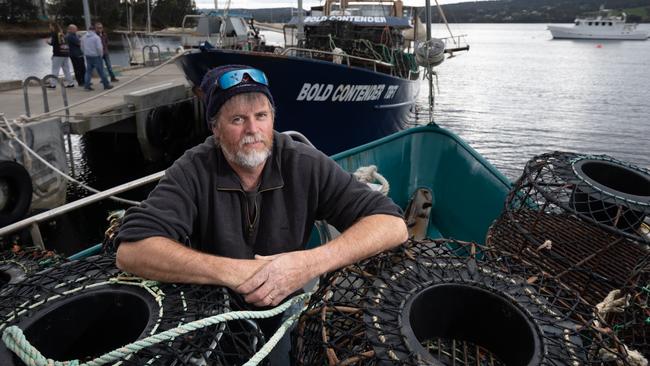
x,y
281,276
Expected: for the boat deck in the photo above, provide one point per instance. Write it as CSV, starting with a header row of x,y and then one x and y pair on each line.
x,y
96,113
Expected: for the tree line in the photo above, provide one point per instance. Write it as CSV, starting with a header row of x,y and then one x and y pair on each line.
x,y
536,11
113,14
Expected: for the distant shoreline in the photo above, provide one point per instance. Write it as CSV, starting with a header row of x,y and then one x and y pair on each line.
x,y
28,31
23,31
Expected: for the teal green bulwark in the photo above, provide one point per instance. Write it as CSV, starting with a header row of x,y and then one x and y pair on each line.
x,y
468,192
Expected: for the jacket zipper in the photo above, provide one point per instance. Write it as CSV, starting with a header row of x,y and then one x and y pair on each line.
x,y
251,225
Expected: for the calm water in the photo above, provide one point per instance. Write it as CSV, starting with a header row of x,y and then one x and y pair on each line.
x,y
518,93
515,94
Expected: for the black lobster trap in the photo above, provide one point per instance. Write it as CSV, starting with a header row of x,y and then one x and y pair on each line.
x,y
583,220
82,309
446,302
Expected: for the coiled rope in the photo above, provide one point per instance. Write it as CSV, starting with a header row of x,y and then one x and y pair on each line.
x,y
369,174
12,135
15,340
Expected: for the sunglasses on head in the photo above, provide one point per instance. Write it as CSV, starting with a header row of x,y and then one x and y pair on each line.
x,y
236,77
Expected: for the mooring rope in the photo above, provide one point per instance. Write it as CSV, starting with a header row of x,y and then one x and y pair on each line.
x,y
369,174
15,340
12,135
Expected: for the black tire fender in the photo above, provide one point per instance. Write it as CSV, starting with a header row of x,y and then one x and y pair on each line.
x,y
16,185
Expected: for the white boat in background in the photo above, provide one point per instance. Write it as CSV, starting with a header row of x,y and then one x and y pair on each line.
x,y
603,25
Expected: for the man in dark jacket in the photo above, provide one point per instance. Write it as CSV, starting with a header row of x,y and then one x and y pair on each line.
x,y
99,28
238,209
76,55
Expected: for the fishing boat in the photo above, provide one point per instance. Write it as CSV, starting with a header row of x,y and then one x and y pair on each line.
x,y
441,182
603,25
351,78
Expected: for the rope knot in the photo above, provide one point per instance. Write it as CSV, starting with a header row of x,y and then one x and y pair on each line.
x,y
613,303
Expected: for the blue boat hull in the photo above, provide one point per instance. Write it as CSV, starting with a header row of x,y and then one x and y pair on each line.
x,y
337,107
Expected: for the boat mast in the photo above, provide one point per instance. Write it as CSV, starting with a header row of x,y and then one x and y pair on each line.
x,y
427,17
301,23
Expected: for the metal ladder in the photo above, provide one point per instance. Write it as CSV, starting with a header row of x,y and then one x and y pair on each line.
x,y
46,107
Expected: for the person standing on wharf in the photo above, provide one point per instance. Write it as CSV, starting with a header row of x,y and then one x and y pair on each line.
x,y
238,209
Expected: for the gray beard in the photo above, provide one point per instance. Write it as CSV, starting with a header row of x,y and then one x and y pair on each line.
x,y
240,158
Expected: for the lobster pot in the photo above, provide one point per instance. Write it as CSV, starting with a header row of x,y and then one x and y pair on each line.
x,y
18,263
573,216
632,325
598,189
83,309
447,302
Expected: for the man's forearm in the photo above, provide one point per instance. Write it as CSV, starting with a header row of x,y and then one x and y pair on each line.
x,y
369,236
289,271
161,259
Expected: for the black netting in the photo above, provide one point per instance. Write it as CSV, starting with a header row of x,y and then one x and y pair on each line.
x,y
599,189
77,311
581,220
18,263
590,260
632,325
449,302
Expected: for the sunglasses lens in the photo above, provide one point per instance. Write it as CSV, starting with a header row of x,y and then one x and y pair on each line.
x,y
232,78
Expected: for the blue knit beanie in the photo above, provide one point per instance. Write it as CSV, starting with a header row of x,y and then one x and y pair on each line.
x,y
215,97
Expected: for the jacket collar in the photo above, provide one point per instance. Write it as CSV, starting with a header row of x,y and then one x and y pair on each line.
x,y
227,179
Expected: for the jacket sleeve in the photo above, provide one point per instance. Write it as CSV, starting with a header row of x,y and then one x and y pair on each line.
x,y
98,46
342,200
169,211
72,39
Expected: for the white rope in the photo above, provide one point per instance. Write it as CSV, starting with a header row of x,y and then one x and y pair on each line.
x,y
15,340
369,174
613,303
122,84
13,136
632,357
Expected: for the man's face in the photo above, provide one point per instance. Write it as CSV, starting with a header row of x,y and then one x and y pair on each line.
x,y
244,129
72,29
99,28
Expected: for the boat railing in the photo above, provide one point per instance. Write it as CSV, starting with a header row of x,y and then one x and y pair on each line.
x,y
455,43
347,57
33,221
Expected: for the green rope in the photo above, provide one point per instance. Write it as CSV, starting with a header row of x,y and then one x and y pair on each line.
x,y
15,340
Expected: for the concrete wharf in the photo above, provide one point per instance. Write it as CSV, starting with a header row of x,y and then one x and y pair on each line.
x,y
121,109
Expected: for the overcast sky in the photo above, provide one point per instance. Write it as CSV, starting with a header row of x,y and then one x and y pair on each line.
x,y
254,4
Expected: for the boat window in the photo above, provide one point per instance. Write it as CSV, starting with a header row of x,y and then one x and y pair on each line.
x,y
589,23
610,24
577,22
363,9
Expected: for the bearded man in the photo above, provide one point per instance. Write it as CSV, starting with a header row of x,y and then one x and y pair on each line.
x,y
238,209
